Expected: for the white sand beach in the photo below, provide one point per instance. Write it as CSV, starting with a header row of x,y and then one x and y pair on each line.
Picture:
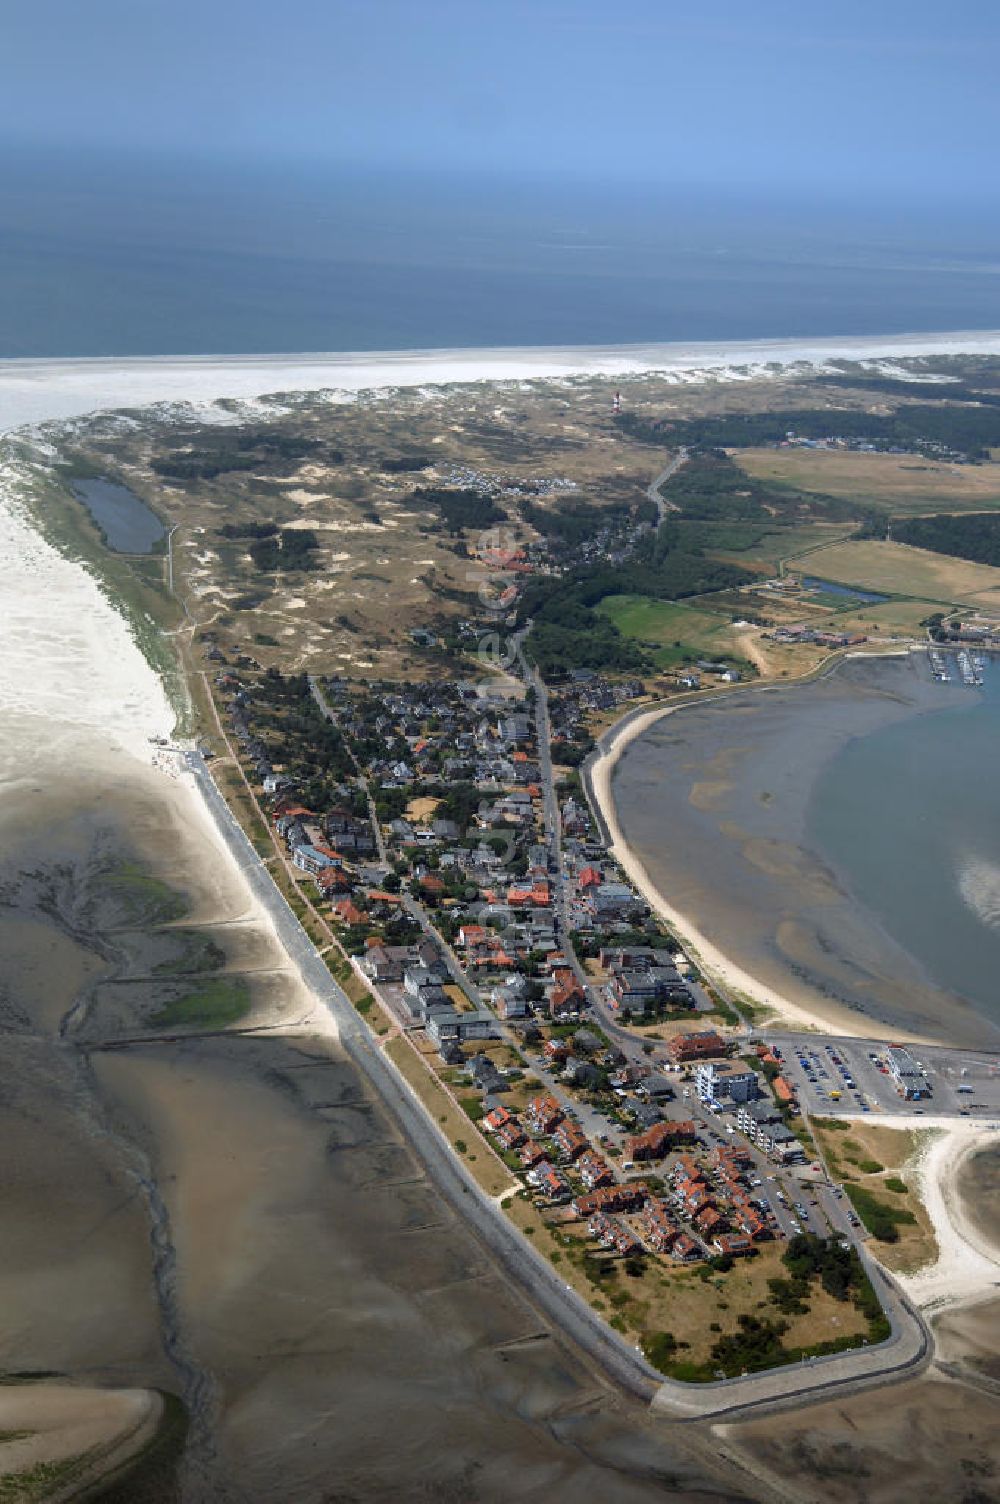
x,y
35,391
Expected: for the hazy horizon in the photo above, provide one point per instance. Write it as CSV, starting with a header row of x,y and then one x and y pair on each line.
x,y
861,100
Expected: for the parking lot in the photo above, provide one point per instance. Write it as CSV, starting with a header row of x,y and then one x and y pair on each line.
x,y
850,1076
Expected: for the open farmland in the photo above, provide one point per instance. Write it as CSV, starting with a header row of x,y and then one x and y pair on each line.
x,y
899,570
899,483
770,549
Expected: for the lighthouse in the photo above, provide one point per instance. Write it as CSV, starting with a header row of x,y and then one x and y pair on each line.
x,y
616,406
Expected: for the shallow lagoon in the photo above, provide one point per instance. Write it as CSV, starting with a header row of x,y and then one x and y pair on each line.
x,y
840,840
909,817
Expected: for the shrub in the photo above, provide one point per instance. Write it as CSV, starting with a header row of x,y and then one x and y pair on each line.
x,y
881,1218
660,1348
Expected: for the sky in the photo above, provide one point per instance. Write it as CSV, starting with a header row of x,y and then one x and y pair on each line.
x,y
880,98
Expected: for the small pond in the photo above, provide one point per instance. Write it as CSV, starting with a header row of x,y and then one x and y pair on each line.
x,y
830,587
127,523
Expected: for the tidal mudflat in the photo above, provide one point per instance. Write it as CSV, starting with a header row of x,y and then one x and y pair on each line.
x,y
819,836
221,1210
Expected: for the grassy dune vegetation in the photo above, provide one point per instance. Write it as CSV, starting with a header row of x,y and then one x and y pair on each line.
x,y
873,1164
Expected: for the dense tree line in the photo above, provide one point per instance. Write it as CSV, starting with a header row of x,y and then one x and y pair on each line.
x,y
292,548
712,488
568,633
405,463
460,506
255,450
311,748
970,431
974,535
573,522
248,530
892,386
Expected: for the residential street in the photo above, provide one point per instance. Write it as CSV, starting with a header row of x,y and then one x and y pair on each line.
x,y
906,1350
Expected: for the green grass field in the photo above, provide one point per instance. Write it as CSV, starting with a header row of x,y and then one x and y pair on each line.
x,y
677,633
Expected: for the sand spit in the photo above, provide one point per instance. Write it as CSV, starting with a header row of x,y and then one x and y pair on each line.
x,y
967,1269
714,961
88,1432
32,391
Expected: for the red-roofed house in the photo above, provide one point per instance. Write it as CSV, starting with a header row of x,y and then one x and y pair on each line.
x,y
530,1154
511,1135
379,895
733,1243
349,912
570,1140
544,1114
659,1139
709,1221
661,1231
611,1198
551,1183
565,994
594,1171
702,1046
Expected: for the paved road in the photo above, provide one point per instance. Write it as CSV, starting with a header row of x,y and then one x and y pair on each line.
x,y
653,492
376,824
904,1352
553,831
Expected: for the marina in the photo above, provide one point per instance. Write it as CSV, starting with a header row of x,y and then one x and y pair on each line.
x,y
962,667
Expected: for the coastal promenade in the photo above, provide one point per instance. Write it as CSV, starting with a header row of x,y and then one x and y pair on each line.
x,y
903,1353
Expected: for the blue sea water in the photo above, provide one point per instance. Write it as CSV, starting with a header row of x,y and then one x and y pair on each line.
x,y
116,257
